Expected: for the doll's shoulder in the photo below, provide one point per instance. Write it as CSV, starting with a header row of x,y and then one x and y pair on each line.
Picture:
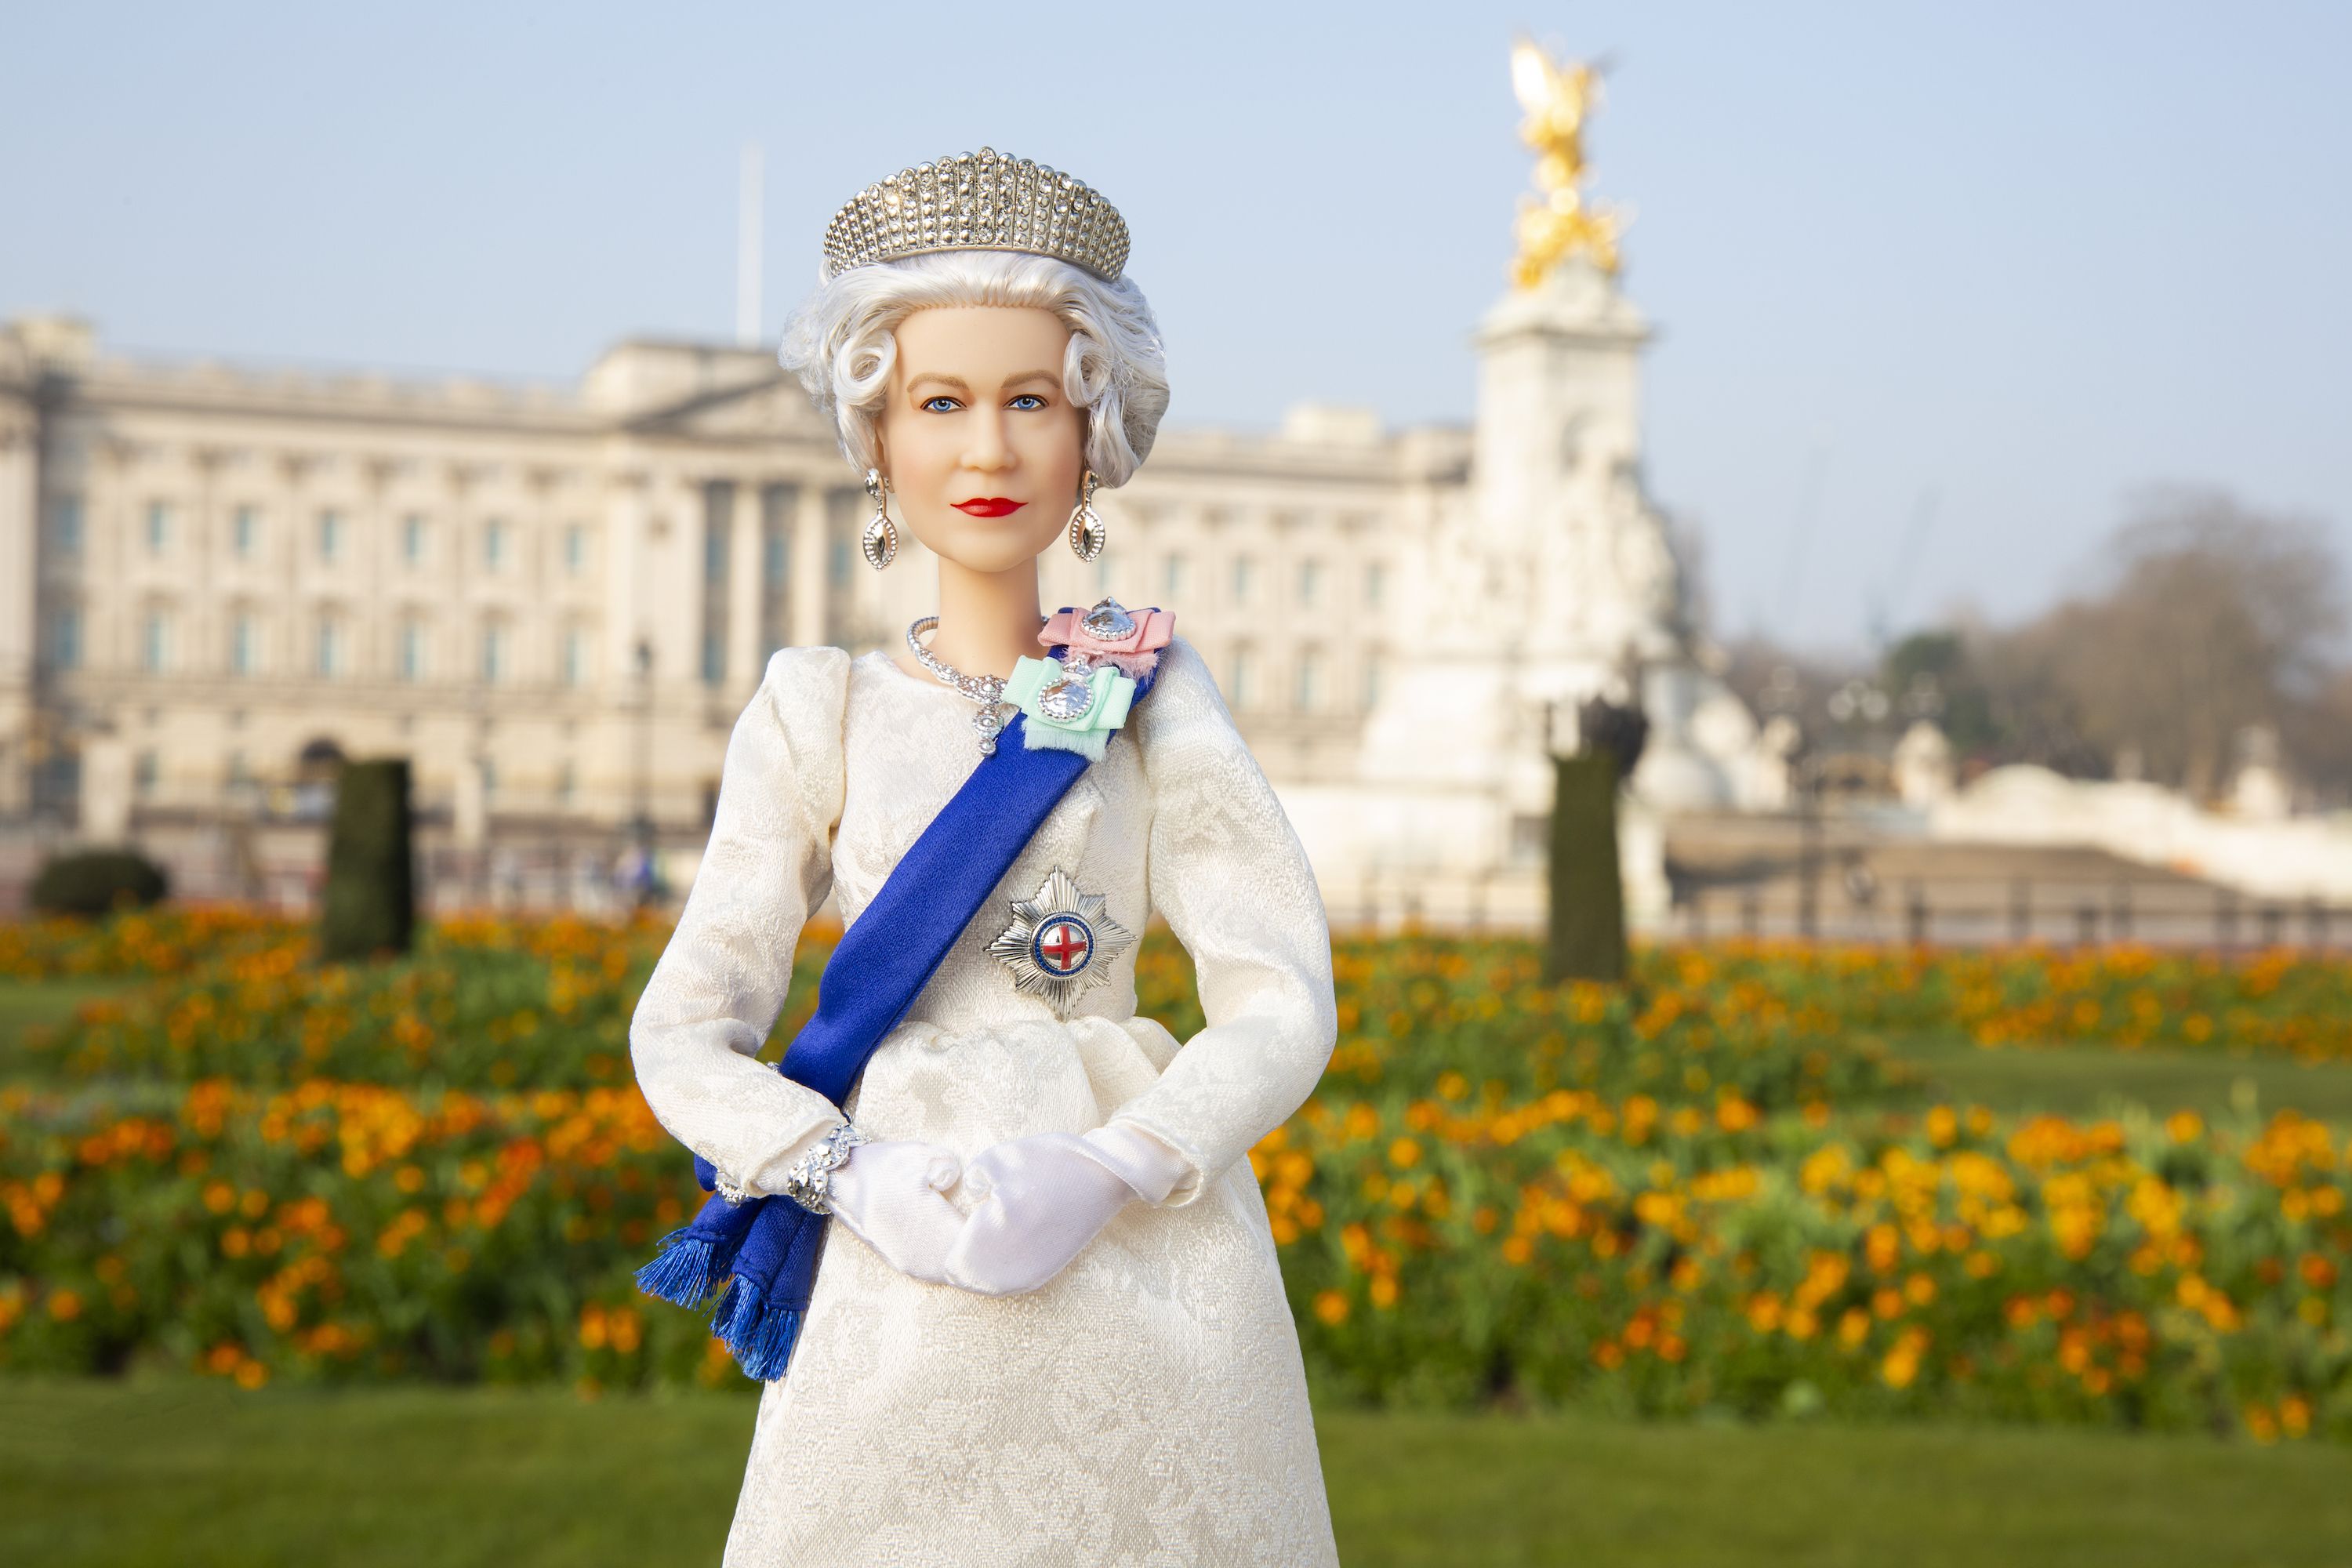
x,y
1184,717
808,668
805,693
1182,668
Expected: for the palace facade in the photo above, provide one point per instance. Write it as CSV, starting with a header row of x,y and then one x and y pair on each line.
x,y
555,601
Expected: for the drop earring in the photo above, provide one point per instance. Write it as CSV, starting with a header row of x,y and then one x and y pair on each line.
x,y
881,540
1087,530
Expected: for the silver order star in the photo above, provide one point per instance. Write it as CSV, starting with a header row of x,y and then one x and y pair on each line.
x,y
1059,915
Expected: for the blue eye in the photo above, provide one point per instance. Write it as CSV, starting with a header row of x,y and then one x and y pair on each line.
x,y
931,404
1028,400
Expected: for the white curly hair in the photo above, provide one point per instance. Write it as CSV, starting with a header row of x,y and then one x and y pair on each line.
x,y
843,342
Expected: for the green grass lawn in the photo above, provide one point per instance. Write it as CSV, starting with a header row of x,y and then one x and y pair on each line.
x,y
25,1004
2080,1080
196,1474
30,1006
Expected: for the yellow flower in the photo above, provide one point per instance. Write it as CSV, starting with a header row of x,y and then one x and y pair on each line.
x,y
1331,1306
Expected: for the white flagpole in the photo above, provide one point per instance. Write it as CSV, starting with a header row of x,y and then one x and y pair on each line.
x,y
747,250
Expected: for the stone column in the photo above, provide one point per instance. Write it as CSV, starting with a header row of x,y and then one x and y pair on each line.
x,y
627,593
811,586
20,528
744,565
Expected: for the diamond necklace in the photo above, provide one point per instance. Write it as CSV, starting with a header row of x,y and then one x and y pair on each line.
x,y
987,691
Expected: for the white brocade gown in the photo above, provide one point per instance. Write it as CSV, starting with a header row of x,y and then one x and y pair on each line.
x,y
1147,1406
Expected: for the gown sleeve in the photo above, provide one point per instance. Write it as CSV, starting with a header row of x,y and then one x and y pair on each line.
x,y
1227,870
694,1038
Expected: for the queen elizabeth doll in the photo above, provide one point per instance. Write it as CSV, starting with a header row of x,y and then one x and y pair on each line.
x,y
1050,1326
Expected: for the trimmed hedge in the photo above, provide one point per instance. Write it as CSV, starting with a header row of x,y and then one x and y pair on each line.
x,y
95,882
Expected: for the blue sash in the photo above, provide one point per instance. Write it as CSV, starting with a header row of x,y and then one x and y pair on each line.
x,y
767,1249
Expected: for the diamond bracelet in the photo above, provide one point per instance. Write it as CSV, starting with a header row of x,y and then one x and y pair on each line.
x,y
810,1181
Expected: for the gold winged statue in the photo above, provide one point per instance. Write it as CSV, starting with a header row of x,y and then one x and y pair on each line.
x,y
1558,99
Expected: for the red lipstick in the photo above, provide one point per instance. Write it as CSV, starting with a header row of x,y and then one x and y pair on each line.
x,y
989,506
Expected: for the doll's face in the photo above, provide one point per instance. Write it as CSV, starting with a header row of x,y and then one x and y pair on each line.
x,y
982,450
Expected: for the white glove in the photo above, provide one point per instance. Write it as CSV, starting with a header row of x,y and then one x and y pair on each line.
x,y
893,1196
1044,1198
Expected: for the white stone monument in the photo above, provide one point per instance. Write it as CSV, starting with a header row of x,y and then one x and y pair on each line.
x,y
1923,765
1551,583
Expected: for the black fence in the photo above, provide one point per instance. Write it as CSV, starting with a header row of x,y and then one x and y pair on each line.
x,y
2019,911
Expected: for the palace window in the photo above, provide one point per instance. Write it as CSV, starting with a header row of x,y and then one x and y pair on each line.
x,y
494,652
575,549
411,660
333,652
1375,670
717,527
1245,578
243,644
412,539
64,638
330,535
64,524
576,657
144,770
159,527
1306,695
1173,574
1245,678
244,532
778,505
494,545
155,642
1310,583
1376,583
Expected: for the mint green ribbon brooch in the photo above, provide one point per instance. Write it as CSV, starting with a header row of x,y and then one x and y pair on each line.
x,y
1068,709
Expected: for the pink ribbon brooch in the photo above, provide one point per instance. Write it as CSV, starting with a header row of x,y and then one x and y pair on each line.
x,y
1074,703
1127,640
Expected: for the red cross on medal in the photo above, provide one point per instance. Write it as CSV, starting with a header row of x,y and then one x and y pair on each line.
x,y
1056,939
1063,946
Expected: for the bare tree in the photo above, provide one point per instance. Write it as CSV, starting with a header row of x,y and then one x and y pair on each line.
x,y
2318,736
2213,617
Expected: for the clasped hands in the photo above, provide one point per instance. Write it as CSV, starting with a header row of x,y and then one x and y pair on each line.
x,y
1039,1201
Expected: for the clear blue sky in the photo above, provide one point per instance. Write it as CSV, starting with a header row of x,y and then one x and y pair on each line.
x,y
2024,258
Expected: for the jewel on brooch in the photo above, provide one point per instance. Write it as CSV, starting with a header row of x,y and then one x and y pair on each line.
x,y
1067,697
1071,707
1061,943
1109,621
1110,634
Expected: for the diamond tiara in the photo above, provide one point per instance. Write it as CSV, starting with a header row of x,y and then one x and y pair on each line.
x,y
977,201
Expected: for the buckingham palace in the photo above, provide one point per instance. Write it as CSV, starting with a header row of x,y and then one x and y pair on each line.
x,y
556,601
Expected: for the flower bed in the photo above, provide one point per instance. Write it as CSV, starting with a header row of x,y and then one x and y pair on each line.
x,y
1689,1196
